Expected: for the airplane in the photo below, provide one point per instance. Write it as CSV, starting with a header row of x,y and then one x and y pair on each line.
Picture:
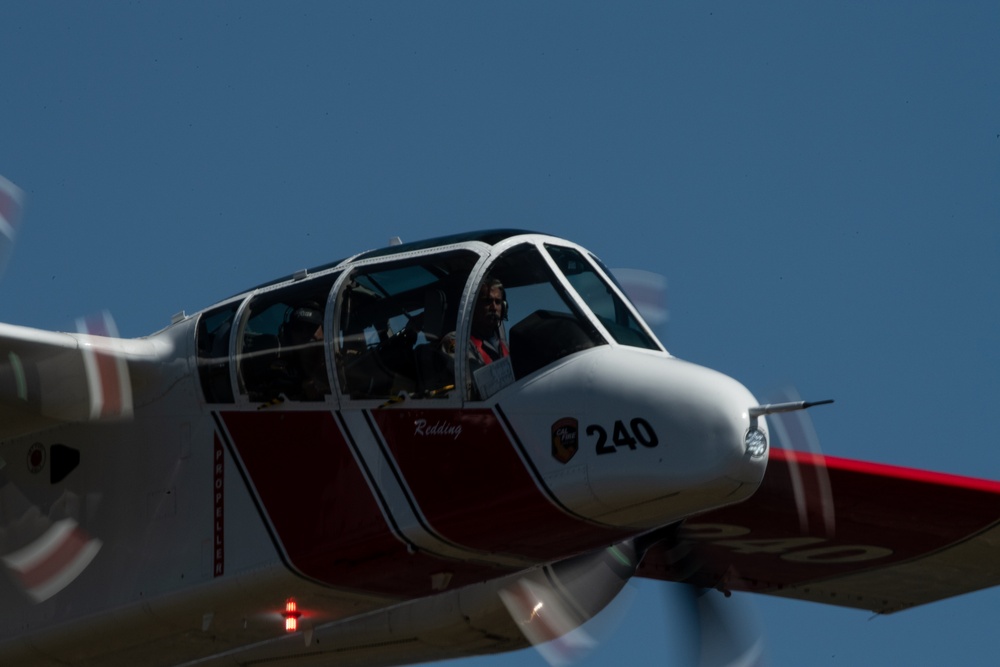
x,y
330,469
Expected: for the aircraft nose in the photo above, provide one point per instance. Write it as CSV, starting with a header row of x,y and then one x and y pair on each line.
x,y
711,452
661,438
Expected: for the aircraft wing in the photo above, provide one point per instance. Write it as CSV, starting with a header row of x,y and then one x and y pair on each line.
x,y
48,377
844,532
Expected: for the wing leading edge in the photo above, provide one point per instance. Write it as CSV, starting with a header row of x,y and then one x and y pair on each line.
x,y
901,537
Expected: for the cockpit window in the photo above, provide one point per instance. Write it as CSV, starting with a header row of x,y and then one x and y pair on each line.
x,y
609,308
281,354
395,327
214,329
539,322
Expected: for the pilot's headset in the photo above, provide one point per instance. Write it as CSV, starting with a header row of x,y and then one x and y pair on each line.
x,y
491,284
303,320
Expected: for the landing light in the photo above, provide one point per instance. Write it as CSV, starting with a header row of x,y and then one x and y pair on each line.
x,y
755,440
756,443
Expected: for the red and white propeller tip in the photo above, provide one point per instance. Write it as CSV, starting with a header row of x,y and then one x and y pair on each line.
x,y
11,207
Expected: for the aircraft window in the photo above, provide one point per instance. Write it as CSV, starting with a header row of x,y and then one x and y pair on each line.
x,y
609,308
214,328
394,325
545,324
281,353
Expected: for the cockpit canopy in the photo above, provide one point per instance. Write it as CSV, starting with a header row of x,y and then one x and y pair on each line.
x,y
456,318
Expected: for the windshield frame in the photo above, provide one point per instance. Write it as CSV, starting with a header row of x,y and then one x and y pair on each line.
x,y
333,320
576,301
615,289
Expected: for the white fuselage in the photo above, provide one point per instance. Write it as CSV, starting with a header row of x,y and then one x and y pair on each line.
x,y
393,523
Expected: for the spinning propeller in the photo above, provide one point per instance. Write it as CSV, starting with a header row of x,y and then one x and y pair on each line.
x,y
725,631
551,603
43,545
11,205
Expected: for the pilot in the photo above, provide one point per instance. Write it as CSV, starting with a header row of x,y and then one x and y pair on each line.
x,y
488,341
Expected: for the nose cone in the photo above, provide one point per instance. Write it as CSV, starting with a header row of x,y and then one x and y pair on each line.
x,y
659,438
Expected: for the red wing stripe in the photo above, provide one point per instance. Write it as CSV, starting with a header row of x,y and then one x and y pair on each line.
x,y
886,470
896,528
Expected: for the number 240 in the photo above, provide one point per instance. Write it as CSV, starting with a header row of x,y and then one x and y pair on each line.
x,y
638,431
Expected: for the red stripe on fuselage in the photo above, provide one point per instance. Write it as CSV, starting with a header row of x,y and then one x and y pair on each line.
x,y
474,489
323,512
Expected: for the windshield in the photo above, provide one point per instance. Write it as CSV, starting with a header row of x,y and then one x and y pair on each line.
x,y
522,320
614,315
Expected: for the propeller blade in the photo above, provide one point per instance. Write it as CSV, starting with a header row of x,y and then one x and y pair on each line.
x,y
549,605
85,379
547,622
712,629
11,206
43,548
648,293
813,493
109,385
725,632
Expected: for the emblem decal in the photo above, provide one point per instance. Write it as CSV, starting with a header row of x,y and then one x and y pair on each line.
x,y
565,439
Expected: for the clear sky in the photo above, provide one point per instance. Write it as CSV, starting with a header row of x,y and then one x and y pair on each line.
x,y
819,182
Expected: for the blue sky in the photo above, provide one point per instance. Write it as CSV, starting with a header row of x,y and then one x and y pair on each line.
x,y
819,182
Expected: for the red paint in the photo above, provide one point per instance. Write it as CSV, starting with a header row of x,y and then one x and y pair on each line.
x,y
111,389
109,367
473,488
219,506
884,470
911,513
322,511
